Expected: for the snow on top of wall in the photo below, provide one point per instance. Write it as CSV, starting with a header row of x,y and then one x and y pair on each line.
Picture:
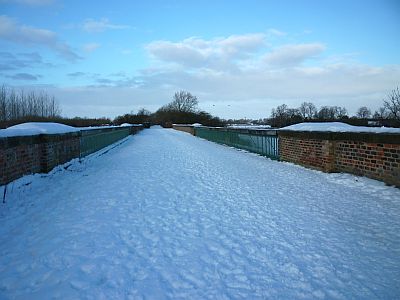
x,y
36,128
339,127
242,126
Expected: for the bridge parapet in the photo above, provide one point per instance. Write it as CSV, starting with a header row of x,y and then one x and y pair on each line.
x,y
21,155
369,154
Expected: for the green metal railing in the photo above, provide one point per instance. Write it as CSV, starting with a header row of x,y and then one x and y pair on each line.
x,y
263,142
94,140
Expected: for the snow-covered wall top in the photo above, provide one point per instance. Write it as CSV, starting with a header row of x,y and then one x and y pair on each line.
x,y
36,128
338,127
241,126
189,125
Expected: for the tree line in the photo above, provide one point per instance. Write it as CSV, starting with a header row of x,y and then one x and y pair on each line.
x,y
387,114
20,105
182,109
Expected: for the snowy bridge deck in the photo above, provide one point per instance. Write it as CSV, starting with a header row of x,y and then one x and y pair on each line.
x,y
168,215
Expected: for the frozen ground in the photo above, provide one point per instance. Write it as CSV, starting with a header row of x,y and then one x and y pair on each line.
x,y
168,215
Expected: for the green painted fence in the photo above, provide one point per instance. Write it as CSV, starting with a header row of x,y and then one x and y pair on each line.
x,y
96,139
263,142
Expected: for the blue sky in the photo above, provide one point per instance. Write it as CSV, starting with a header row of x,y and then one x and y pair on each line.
x,y
240,58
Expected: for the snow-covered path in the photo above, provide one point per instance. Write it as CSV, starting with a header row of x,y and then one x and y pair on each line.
x,y
168,215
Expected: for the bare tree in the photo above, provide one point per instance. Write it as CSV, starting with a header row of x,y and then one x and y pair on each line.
x,y
183,102
283,116
293,113
332,112
326,113
143,112
3,103
280,113
363,112
14,106
340,112
12,101
307,110
392,103
381,113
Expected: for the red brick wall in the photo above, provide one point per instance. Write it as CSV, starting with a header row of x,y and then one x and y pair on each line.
x,y
19,160
312,153
378,161
372,155
39,154
35,154
57,152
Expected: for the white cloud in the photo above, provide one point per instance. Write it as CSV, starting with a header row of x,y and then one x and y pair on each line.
x,y
232,54
276,32
236,44
290,55
94,26
199,53
181,53
11,31
90,47
250,94
233,77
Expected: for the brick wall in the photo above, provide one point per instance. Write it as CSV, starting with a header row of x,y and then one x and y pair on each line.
x,y
58,149
372,155
18,159
23,155
374,160
35,154
307,152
